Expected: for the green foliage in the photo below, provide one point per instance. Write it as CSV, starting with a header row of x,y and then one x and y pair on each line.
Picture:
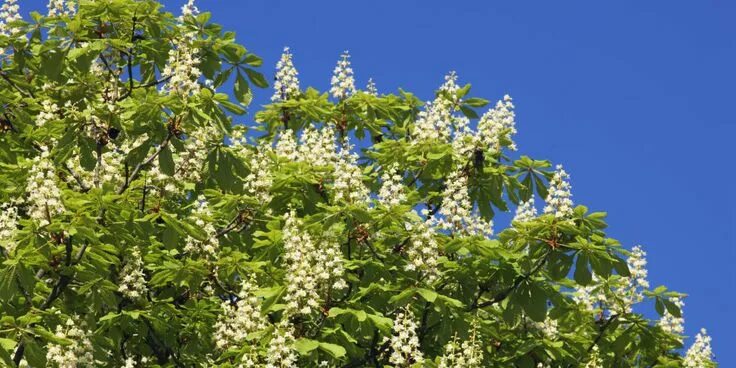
x,y
144,164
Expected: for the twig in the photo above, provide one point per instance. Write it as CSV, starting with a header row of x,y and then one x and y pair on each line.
x,y
146,162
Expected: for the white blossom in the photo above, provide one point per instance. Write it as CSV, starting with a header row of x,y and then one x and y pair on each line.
x,y
49,112
548,328
182,66
76,354
287,147
317,146
302,275
43,194
558,196
132,280
497,126
8,227
700,354
595,359
343,82
259,181
392,191
631,292
672,324
465,354
8,14
281,353
58,8
450,88
194,156
109,170
370,88
348,186
241,319
588,295
434,122
457,209
526,211
286,84
202,217
189,9
404,342
423,250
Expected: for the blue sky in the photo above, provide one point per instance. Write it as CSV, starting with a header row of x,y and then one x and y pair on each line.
x,y
635,98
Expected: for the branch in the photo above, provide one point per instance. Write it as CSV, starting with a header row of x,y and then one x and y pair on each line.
x,y
59,287
505,294
144,85
77,178
4,75
146,162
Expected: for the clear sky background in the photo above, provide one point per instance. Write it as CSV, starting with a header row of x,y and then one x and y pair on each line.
x,y
635,98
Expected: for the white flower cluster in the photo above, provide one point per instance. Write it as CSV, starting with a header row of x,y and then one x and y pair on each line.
x,y
309,267
700,354
590,295
259,181
8,14
58,8
44,195
287,147
192,159
467,354
434,122
8,227
631,292
548,327
286,84
238,321
422,250
281,353
189,9
392,191
131,362
595,359
343,82
49,112
498,125
110,170
450,88
370,88
182,67
317,146
526,211
672,324
404,342
457,209
348,186
202,216
76,354
132,280
439,121
558,198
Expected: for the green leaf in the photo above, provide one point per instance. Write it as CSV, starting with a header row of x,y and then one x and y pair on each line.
x,y
242,90
305,346
336,351
257,78
428,295
476,102
166,161
582,272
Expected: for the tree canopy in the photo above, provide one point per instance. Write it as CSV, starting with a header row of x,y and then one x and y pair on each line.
x,y
143,225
